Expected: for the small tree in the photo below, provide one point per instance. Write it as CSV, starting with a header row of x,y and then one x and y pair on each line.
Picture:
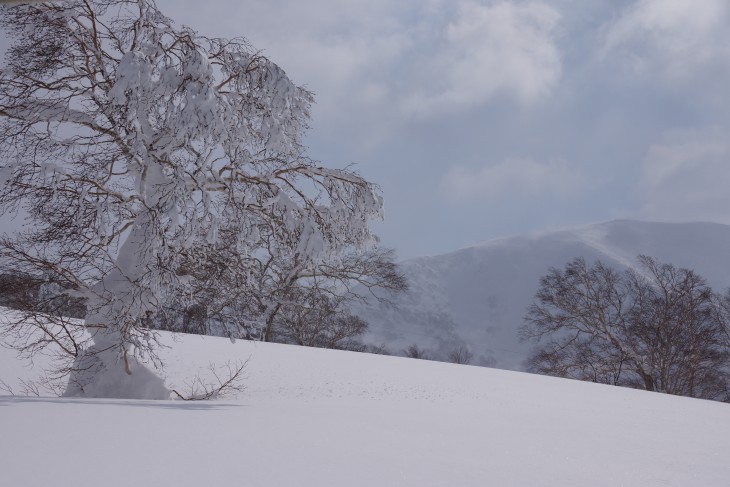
x,y
461,355
314,319
137,148
655,327
337,284
414,351
267,297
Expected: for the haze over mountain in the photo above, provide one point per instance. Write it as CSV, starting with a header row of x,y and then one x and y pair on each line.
x,y
477,296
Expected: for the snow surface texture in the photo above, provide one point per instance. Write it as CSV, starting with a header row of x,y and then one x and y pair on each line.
x,y
313,417
478,296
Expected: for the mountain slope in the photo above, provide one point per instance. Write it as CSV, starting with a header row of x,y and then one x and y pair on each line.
x,y
313,417
477,296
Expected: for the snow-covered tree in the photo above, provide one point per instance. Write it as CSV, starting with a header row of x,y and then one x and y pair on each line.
x,y
136,148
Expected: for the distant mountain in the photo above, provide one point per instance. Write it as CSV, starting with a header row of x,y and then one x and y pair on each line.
x,y
478,296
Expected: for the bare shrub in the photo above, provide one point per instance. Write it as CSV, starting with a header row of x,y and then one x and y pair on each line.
x,y
414,351
221,382
461,355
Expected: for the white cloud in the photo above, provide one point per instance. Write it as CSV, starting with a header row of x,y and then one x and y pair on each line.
x,y
687,178
506,48
674,36
407,58
514,178
343,50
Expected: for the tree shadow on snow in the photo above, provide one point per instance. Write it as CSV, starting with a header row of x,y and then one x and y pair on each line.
x,y
165,404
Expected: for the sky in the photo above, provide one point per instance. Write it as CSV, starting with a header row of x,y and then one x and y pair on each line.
x,y
483,119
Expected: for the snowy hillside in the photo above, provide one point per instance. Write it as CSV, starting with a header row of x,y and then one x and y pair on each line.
x,y
313,417
478,296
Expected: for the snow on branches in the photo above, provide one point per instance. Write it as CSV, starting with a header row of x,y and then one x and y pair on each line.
x,y
133,145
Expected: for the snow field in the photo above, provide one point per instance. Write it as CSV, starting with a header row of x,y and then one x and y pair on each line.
x,y
312,417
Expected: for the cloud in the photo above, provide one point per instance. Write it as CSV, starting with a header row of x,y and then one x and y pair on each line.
x,y
674,36
514,178
397,61
342,50
687,178
487,50
405,88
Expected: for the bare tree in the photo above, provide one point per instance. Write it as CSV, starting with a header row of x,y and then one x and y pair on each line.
x,y
40,295
335,284
655,327
136,148
309,305
461,355
414,351
270,297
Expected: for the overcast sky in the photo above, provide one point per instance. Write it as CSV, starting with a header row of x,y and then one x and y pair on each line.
x,y
482,119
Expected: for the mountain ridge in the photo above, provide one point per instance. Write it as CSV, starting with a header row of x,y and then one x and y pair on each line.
x,y
477,296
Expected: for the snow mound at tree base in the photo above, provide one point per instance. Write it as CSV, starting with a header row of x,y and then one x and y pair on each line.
x,y
100,374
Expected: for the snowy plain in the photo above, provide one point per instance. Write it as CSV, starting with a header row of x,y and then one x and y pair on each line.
x,y
313,417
